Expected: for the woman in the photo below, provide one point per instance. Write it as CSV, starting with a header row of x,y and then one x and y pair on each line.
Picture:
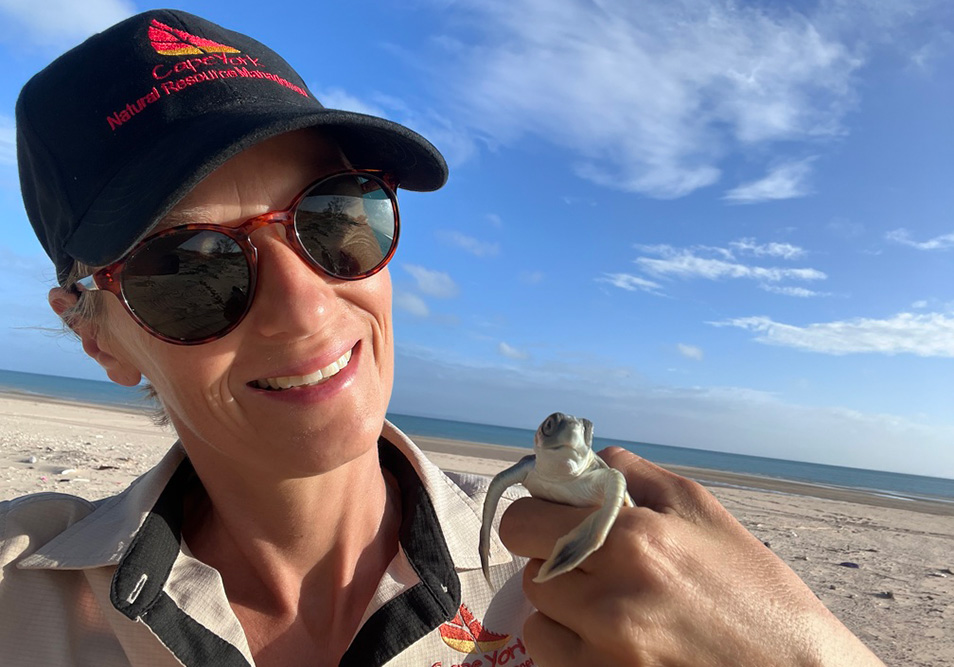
x,y
245,231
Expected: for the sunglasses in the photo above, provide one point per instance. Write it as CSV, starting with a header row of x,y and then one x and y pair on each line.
x,y
194,283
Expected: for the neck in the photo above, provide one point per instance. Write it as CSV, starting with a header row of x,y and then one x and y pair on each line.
x,y
307,550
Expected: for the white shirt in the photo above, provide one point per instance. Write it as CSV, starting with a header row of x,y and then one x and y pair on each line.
x,y
110,583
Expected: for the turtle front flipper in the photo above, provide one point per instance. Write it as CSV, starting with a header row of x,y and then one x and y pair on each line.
x,y
574,547
515,474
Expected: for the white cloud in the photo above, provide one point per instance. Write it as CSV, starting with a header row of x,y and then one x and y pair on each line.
x,y
433,283
773,249
690,351
8,141
469,243
338,98
714,263
845,229
411,303
511,352
578,201
903,236
624,406
532,277
630,282
495,220
686,263
784,181
924,335
800,292
59,22
649,96
454,142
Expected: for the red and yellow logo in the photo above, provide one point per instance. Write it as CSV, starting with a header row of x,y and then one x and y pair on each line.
x,y
169,41
465,633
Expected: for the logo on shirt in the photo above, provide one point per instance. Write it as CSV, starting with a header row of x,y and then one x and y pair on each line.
x,y
466,634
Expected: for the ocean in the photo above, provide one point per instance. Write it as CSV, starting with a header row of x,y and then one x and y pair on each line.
x,y
889,483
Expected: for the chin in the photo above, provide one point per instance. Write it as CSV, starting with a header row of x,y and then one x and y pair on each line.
x,y
333,445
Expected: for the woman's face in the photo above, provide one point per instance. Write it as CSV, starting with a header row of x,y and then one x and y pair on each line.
x,y
218,395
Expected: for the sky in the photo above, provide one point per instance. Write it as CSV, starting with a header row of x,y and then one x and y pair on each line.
x,y
721,225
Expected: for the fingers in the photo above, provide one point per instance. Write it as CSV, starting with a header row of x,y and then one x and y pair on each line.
x,y
655,487
552,644
530,527
586,615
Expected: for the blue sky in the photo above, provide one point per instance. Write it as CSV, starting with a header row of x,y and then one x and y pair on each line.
x,y
706,224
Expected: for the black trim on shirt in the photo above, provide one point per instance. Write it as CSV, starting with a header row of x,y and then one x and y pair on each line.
x,y
417,611
137,586
151,555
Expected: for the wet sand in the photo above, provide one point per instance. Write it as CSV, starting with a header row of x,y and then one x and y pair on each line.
x,y
883,564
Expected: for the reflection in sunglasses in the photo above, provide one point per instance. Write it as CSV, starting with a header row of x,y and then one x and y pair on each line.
x,y
192,283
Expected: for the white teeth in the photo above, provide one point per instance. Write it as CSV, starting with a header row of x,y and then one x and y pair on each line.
x,y
303,380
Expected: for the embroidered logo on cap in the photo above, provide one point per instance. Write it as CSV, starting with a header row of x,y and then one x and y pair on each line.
x,y
169,41
201,60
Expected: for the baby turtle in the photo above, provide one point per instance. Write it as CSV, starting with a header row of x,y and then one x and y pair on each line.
x,y
563,469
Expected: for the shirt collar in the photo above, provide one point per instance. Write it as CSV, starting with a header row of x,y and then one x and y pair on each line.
x,y
103,537
459,515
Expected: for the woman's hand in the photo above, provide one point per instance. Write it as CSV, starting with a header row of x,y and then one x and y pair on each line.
x,y
678,582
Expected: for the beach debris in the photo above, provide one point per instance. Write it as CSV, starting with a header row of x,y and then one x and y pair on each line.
x,y
106,467
66,471
29,459
563,469
940,575
885,595
849,564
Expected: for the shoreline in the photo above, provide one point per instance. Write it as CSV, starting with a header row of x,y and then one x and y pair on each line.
x,y
448,453
489,459
881,564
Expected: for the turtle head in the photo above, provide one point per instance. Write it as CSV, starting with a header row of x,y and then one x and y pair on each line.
x,y
563,432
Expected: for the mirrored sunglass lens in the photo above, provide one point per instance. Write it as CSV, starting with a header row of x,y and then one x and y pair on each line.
x,y
346,224
188,284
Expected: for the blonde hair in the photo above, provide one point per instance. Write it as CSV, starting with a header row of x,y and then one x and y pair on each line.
x,y
90,310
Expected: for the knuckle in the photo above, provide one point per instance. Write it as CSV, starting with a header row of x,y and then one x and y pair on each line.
x,y
690,490
619,630
632,530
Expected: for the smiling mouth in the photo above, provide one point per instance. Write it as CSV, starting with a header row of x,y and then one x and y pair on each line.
x,y
294,381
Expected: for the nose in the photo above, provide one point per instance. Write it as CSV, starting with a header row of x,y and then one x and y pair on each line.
x,y
552,423
292,299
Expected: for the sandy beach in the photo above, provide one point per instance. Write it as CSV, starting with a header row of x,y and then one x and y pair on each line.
x,y
884,565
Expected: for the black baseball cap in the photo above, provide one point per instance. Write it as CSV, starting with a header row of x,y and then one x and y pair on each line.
x,y
113,133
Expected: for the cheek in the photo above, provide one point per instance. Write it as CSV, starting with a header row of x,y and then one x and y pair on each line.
x,y
371,298
381,298
181,375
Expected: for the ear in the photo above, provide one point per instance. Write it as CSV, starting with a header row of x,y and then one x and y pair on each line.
x,y
97,343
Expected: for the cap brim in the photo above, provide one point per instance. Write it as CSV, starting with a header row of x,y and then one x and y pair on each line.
x,y
150,184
